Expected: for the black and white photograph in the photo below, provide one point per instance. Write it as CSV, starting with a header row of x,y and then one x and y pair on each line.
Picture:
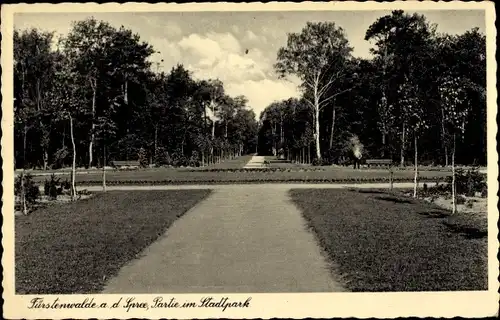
x,y
217,160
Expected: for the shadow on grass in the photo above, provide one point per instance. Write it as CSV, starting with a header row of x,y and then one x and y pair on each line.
x,y
393,199
434,214
368,191
465,231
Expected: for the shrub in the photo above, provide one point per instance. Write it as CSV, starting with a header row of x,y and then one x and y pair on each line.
x,y
32,191
53,187
59,157
162,157
142,156
484,191
468,182
66,184
461,199
469,203
317,162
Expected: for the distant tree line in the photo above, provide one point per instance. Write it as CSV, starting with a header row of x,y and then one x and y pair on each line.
x,y
96,97
421,98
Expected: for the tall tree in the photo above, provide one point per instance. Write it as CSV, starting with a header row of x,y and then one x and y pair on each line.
x,y
33,69
403,45
66,96
453,93
317,55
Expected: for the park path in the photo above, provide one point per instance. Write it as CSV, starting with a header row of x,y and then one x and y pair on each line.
x,y
243,239
255,162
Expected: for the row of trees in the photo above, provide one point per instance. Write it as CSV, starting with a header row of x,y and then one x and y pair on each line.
x,y
421,98
96,97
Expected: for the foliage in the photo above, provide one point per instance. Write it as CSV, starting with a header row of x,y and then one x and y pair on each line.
x,y
418,83
470,181
99,81
32,190
142,158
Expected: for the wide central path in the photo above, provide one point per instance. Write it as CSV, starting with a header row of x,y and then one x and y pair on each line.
x,y
244,239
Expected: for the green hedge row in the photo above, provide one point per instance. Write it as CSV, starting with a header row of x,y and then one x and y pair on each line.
x,y
263,180
257,170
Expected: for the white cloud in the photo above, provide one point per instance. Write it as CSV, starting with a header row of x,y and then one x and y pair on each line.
x,y
172,29
251,37
235,29
263,92
220,55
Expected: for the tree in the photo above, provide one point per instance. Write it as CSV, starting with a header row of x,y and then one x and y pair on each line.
x,y
66,96
404,44
454,98
413,118
87,44
33,70
102,52
317,56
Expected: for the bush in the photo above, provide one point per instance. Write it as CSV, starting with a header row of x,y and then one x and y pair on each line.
x,y
66,185
59,157
53,187
317,162
32,190
484,191
461,199
162,157
468,182
142,156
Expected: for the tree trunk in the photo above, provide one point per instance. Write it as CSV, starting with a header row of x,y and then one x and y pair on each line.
x,y
202,158
25,132
155,142
104,168
73,166
332,128
391,177
23,194
92,134
309,153
453,185
273,131
213,137
383,143
403,144
416,169
125,92
443,138
45,158
316,130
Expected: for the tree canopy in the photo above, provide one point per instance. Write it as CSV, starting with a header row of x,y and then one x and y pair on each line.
x,y
385,100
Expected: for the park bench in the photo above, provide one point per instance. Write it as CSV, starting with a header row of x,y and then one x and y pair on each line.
x,y
129,164
378,162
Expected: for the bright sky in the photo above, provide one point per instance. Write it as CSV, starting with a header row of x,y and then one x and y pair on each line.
x,y
213,44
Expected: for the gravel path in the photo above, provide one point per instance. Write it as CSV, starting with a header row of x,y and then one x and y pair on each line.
x,y
239,239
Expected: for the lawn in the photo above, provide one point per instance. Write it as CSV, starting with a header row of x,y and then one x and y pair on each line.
x,y
76,247
235,163
378,241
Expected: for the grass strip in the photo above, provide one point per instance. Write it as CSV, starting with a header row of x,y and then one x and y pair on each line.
x,y
380,241
76,247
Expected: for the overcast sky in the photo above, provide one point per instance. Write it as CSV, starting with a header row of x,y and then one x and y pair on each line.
x,y
213,44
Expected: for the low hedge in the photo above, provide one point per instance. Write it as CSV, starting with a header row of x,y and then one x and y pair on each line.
x,y
248,181
266,169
